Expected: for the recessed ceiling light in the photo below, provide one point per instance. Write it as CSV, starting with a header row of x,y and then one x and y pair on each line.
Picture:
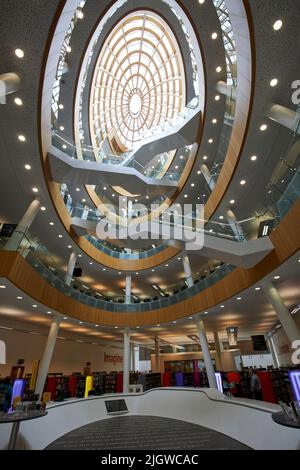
x,y
80,15
205,157
68,49
186,196
49,313
201,2
166,265
137,274
43,209
60,236
181,157
210,141
192,185
153,270
51,223
278,25
62,128
257,288
222,306
69,246
158,324
199,172
219,69
2,287
263,127
35,190
274,82
242,182
232,201
18,101
217,98
221,217
22,138
214,35
27,167
276,278
19,297
79,256
19,53
214,121
239,298
61,106
205,313
91,263
65,318
64,146
34,306
83,200
174,321
103,269
116,327
253,158
176,167
80,323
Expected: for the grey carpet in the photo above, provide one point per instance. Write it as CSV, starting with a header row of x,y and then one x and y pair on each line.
x,y
144,433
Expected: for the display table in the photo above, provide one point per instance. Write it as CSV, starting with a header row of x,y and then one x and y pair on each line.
x,y
15,419
281,418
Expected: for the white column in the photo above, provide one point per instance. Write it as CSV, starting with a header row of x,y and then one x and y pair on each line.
x,y
288,323
128,290
9,83
157,355
226,90
208,176
188,271
286,117
137,357
47,356
206,353
218,349
273,352
126,360
70,269
23,226
234,224
132,353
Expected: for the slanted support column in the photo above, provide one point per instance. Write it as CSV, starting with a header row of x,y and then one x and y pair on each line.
x,y
126,360
273,352
71,267
9,83
218,349
23,226
234,224
208,177
286,117
288,323
157,355
188,271
47,356
128,290
226,90
205,351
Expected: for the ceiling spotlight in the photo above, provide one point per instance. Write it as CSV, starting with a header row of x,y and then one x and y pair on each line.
x,y
211,141
201,2
193,185
257,288
214,121
232,201
80,15
174,322
51,223
18,101
83,200
242,182
43,209
22,138
277,25
214,36
19,53
221,217
64,146
199,172
61,106
19,297
276,278
274,82
34,306
68,48
222,306
263,127
253,158
186,196
219,69
2,287
104,269
239,298
205,158
27,167
60,236
69,247
217,98
78,189
91,263
62,128
35,190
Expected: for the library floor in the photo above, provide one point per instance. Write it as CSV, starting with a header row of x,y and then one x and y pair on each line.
x,y
145,433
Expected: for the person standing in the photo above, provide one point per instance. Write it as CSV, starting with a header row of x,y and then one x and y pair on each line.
x,y
255,386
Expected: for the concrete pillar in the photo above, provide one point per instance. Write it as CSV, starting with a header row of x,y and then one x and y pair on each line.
x,y
226,90
206,353
70,269
208,176
157,355
132,353
288,323
273,352
126,360
9,83
235,226
188,271
128,290
47,356
218,350
23,226
286,117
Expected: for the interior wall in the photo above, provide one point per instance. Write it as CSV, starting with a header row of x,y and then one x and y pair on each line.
x,y
283,346
69,356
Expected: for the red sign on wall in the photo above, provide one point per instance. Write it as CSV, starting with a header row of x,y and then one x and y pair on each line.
x,y
113,358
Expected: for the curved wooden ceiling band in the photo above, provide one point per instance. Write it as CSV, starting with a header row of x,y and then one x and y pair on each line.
x,y
286,240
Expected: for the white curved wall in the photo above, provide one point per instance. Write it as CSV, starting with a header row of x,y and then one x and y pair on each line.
x,y
248,421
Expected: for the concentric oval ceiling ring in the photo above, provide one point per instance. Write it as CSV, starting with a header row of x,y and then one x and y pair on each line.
x,y
139,80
